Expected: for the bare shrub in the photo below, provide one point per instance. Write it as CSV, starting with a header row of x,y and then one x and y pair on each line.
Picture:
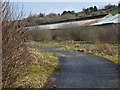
x,y
96,34
38,34
14,53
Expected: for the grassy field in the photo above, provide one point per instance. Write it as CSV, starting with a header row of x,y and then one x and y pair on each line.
x,y
114,12
43,66
109,51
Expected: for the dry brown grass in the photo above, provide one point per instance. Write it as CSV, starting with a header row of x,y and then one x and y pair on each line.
x,y
15,55
109,51
94,34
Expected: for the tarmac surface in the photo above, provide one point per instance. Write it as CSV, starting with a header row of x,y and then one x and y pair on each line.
x,y
80,70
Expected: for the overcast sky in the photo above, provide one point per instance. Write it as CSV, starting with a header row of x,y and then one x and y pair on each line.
x,y
56,7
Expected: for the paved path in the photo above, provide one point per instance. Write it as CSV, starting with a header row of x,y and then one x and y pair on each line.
x,y
79,70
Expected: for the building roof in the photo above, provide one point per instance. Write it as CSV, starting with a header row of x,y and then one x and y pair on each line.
x,y
108,20
63,25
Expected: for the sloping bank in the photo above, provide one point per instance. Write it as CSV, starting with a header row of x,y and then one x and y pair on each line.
x,y
42,67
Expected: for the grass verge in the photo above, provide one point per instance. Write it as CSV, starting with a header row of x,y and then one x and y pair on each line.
x,y
108,51
42,67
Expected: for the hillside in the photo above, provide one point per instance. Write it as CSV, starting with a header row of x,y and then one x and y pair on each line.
x,y
42,19
114,12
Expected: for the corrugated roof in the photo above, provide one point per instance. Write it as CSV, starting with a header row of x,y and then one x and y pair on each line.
x,y
101,21
61,25
110,19
91,22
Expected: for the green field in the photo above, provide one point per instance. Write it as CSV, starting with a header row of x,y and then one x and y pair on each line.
x,y
114,12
